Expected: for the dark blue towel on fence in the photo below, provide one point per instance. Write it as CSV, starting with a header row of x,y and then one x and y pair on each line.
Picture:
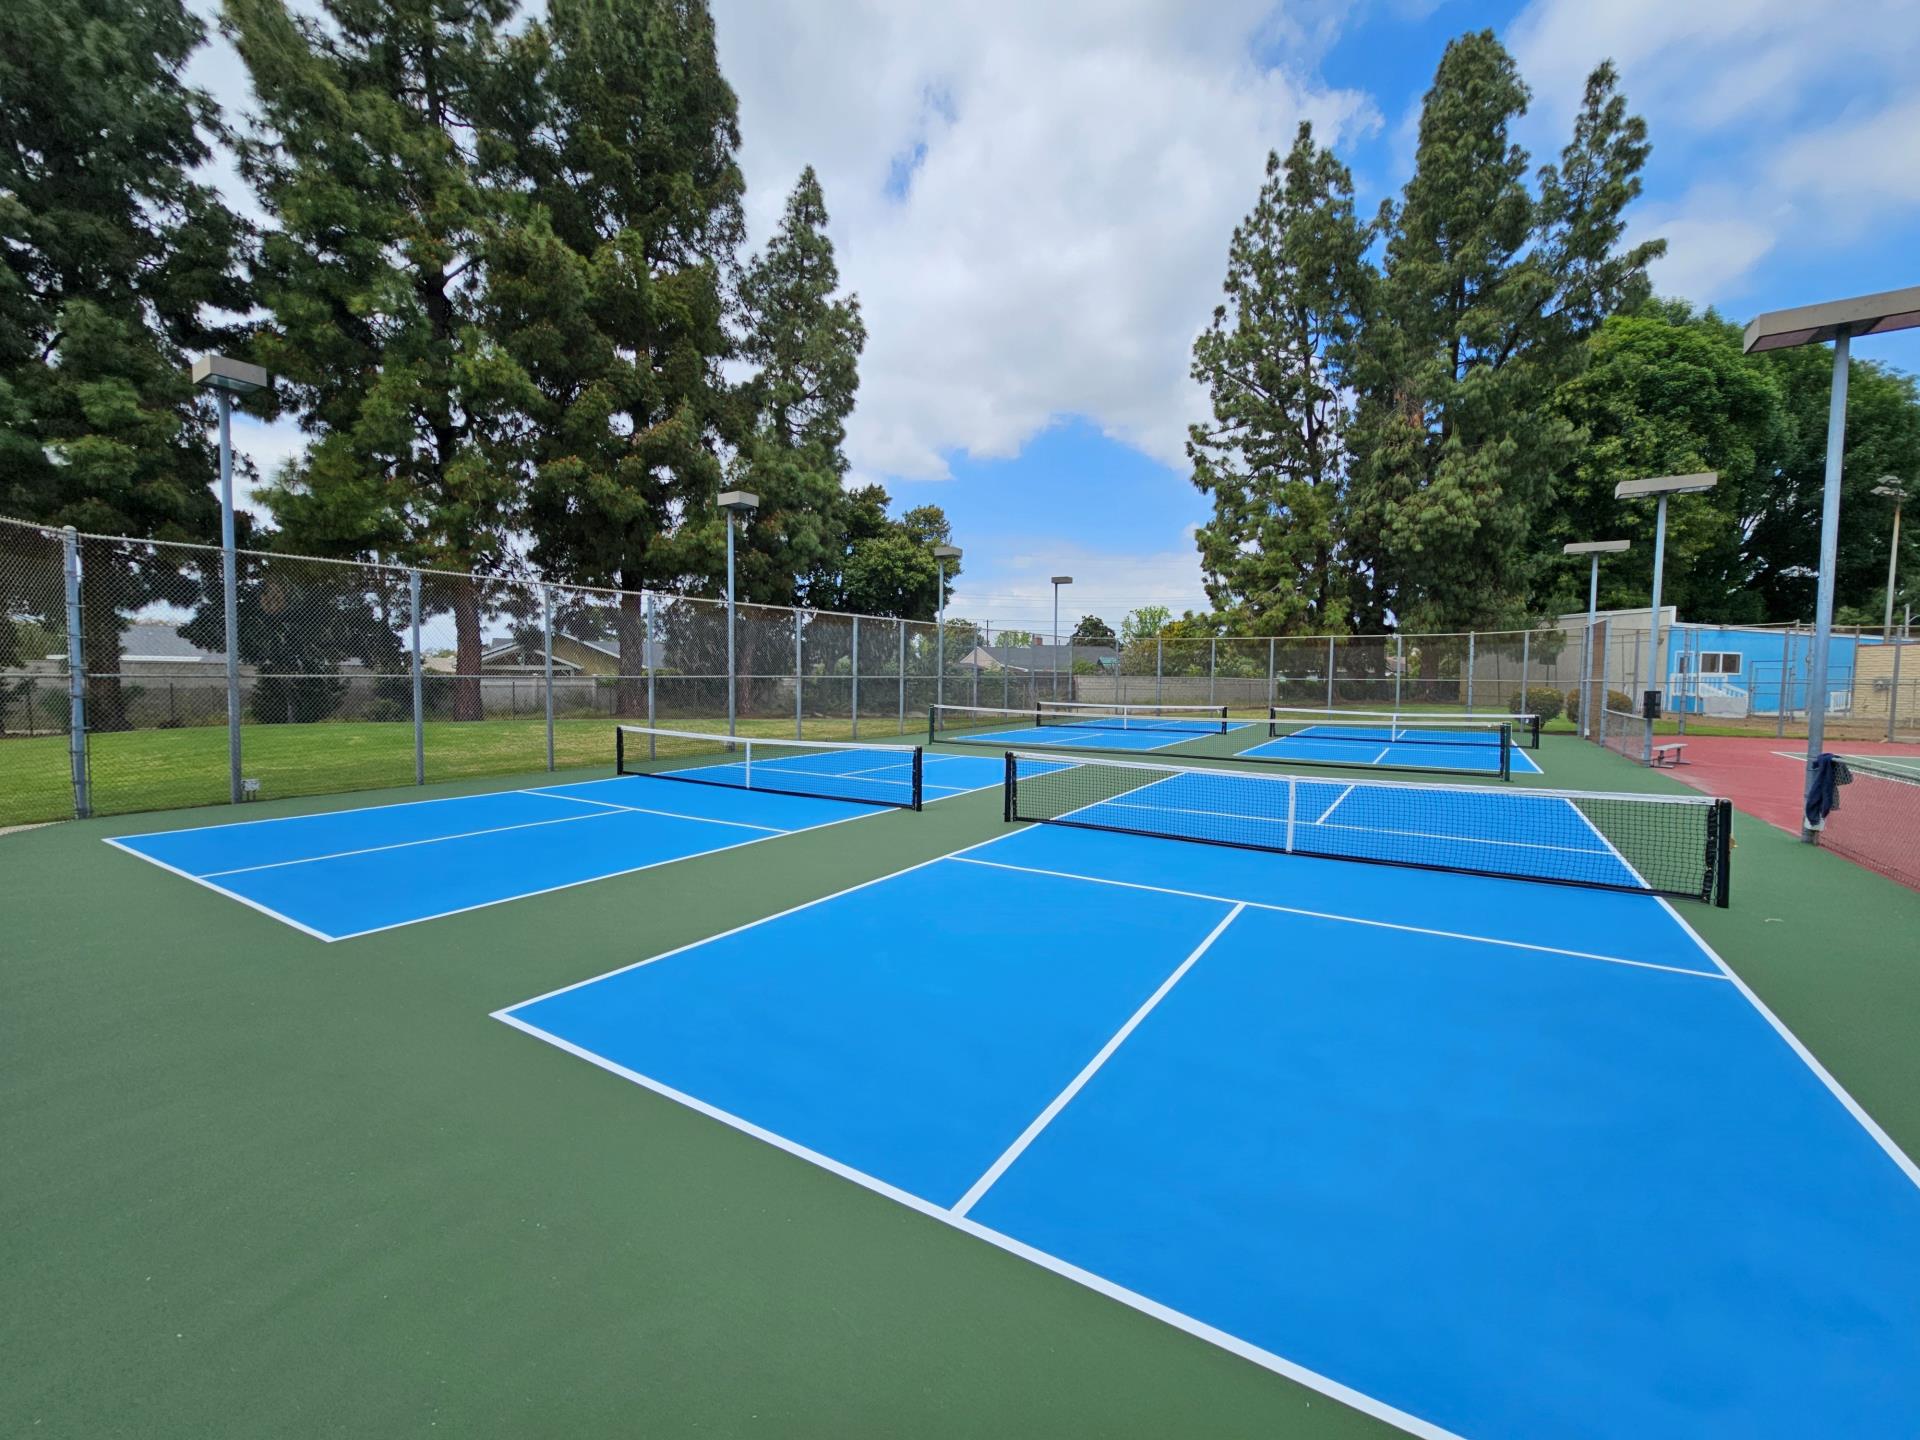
x,y
1824,780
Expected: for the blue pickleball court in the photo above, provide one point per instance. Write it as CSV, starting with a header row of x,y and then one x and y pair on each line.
x,y
1479,1156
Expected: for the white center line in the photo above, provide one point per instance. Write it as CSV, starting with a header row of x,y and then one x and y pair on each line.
x,y
1078,1083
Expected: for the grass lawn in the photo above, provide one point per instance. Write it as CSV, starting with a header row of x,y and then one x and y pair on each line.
x,y
161,769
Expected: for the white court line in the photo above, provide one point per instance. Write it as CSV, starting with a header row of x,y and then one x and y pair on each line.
x,y
1839,1092
1178,1320
118,844
1335,806
1046,1117
1341,919
602,812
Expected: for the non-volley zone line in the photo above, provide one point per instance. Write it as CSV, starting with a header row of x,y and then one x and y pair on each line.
x,y
1225,1071
341,874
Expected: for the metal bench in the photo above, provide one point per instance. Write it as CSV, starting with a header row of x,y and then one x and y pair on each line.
x,y
1668,754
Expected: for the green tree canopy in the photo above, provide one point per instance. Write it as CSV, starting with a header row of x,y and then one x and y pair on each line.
x,y
1487,298
368,155
1274,360
116,264
1092,630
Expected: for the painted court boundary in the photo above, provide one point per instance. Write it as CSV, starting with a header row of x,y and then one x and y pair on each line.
x,y
206,882
957,1218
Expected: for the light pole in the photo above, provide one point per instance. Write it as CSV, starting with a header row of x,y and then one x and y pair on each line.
x,y
1660,486
1595,548
226,379
942,554
740,504
1058,581
1893,490
1838,321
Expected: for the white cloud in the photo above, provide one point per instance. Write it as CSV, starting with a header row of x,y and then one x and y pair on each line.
x,y
1061,237
1746,93
1860,166
1712,247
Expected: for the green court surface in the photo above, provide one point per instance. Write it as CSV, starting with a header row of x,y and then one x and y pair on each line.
x,y
261,1185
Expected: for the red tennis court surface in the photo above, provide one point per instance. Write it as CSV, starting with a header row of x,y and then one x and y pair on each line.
x,y
1764,777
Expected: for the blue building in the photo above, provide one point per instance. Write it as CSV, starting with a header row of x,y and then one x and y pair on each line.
x,y
1728,670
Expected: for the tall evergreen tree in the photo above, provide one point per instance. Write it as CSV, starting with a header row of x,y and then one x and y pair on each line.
x,y
114,265
1274,360
613,288
1488,297
373,277
806,342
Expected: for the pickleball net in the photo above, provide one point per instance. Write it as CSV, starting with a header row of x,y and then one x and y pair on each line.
x,y
1404,727
1092,715
991,724
1651,844
823,769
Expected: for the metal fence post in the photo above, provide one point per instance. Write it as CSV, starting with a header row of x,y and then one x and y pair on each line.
x,y
1526,639
799,677
76,679
413,667
1786,672
903,676
1270,680
546,648
1893,694
855,707
1399,665
646,657
1213,664
1329,672
1471,637
1159,658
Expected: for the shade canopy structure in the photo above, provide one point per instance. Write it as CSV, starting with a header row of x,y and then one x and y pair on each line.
x,y
1879,314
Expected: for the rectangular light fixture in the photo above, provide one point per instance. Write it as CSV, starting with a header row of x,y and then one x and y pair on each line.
x,y
1813,324
1666,485
1596,547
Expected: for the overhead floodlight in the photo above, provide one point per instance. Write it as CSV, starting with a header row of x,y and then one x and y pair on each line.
x,y
1062,580
235,377
1666,485
1834,319
1596,547
739,502
946,552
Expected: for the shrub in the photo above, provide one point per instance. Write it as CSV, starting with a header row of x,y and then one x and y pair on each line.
x,y
1539,701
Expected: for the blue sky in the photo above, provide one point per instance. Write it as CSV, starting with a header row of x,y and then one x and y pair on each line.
x,y
1033,204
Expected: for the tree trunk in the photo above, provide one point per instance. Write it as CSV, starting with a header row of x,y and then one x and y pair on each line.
x,y
466,645
104,587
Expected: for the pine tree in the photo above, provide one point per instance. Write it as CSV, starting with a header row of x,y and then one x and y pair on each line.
x,y
1274,360
807,346
1487,299
116,261
612,287
374,278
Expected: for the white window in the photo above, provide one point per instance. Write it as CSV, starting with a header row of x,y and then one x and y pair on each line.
x,y
1720,662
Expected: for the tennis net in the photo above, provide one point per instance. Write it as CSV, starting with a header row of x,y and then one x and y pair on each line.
x,y
1657,844
825,769
1877,822
1088,715
1409,727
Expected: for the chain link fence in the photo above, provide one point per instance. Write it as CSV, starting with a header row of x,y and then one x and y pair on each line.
x,y
115,685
